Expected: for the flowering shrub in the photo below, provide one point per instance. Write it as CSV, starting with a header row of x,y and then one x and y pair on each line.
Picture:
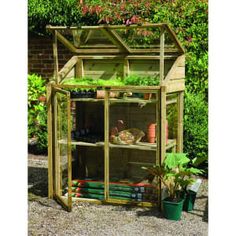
x,y
118,12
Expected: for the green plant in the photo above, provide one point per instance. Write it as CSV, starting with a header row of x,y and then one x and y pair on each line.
x,y
189,19
86,81
54,12
141,80
37,114
196,126
174,173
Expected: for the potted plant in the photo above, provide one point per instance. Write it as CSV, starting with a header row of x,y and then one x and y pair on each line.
x,y
190,185
175,176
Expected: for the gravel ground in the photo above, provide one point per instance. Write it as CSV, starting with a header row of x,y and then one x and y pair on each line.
x,y
46,217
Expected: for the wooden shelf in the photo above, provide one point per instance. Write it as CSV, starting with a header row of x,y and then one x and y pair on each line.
x,y
115,100
132,100
139,146
86,100
122,100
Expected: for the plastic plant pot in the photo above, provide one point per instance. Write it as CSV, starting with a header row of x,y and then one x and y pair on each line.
x,y
172,210
189,201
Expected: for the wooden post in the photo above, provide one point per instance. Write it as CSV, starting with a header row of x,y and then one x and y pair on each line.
x,y
56,151
106,145
162,65
55,57
161,134
126,67
79,68
158,142
69,152
163,123
180,107
50,152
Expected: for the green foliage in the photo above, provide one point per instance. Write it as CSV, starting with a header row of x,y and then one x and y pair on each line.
x,y
189,20
37,114
141,80
174,173
195,126
54,12
86,81
129,80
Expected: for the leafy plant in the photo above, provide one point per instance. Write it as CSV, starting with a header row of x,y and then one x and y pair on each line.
x,y
37,114
54,12
86,81
196,126
141,80
174,173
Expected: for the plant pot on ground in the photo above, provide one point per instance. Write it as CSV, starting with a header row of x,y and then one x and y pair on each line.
x,y
175,175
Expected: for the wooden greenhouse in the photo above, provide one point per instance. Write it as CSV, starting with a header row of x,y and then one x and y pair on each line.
x,y
97,145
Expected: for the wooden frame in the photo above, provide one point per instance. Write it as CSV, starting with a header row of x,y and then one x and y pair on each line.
x,y
171,81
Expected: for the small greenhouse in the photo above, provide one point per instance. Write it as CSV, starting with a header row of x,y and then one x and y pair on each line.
x,y
114,107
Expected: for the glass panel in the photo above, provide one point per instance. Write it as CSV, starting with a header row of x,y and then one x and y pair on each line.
x,y
62,155
140,38
172,118
134,38
132,132
88,154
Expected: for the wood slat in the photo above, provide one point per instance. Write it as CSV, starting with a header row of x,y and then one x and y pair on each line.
x,y
50,27
175,86
79,68
113,39
124,56
126,68
177,70
55,57
180,111
179,73
139,146
106,145
66,42
162,59
69,152
50,152
67,68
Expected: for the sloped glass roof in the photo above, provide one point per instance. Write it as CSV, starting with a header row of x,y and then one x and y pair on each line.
x,y
131,39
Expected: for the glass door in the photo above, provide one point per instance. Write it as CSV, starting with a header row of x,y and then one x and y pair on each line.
x,y
62,148
132,145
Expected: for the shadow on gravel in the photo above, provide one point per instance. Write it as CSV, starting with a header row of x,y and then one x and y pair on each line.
x,y
200,212
205,215
38,181
150,212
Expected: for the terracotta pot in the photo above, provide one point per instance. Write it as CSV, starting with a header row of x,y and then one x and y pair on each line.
x,y
151,134
147,96
101,94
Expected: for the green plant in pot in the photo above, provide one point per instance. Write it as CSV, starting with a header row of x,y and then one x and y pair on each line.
x,y
175,175
186,192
